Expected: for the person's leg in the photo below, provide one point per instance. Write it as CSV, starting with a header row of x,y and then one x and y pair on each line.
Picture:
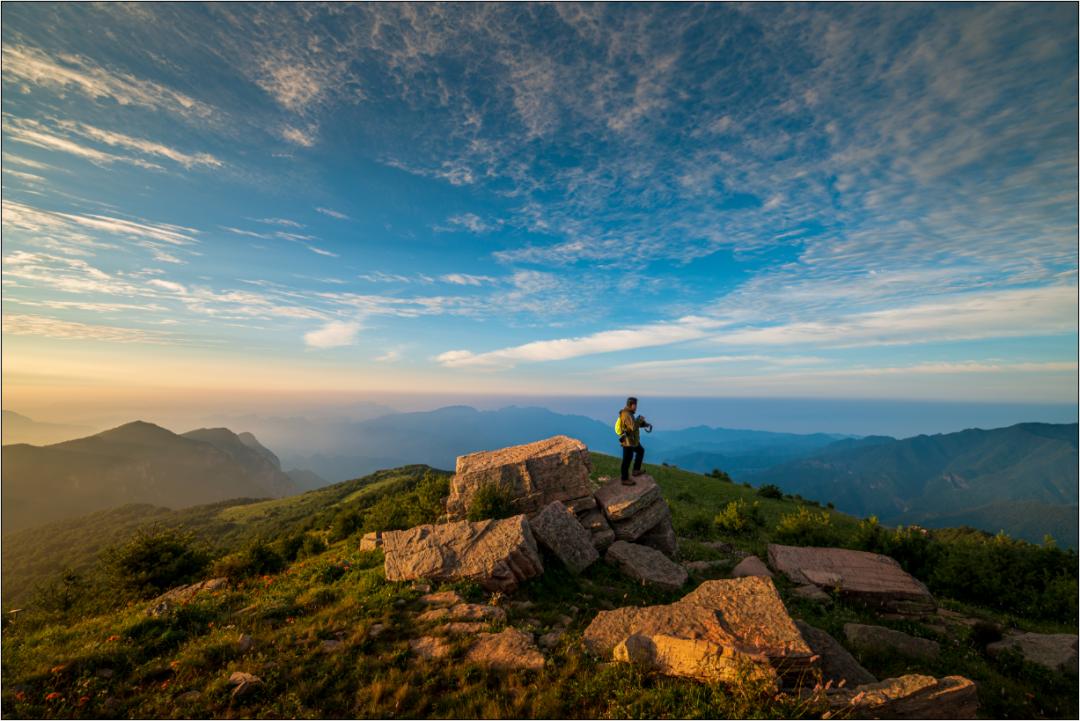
x,y
639,456
627,454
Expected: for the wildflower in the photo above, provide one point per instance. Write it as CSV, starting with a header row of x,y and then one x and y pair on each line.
x,y
53,695
112,638
57,669
83,700
20,696
164,684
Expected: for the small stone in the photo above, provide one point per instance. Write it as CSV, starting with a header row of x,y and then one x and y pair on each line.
x,y
330,645
510,649
477,612
812,593
463,628
442,598
602,539
422,587
580,505
376,630
878,638
371,541
1056,651
430,647
552,639
751,566
705,566
434,615
189,697
105,673
244,683
244,643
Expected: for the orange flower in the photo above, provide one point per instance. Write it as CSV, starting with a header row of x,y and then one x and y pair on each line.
x,y
57,669
164,684
83,700
52,696
20,696
112,638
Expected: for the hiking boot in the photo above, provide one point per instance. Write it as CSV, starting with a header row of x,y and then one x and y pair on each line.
x,y
638,472
627,482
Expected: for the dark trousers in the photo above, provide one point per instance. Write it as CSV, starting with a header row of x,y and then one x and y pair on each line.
x,y
635,452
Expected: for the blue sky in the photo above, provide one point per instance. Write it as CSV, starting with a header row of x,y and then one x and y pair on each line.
x,y
864,201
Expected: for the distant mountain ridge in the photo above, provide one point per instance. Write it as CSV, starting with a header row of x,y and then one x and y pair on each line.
x,y
137,462
1021,479
18,428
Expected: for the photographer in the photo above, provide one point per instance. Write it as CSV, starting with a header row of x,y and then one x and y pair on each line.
x,y
629,429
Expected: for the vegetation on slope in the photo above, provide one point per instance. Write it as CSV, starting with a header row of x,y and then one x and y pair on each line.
x,y
300,581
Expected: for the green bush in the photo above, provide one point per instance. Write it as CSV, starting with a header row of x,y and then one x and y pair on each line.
x,y
739,518
807,528
720,475
422,503
257,559
490,501
770,490
154,560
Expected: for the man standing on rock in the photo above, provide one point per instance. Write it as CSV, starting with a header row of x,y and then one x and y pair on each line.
x,y
629,428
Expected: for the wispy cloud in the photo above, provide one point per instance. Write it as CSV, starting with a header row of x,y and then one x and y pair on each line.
x,y
333,335
470,222
303,138
466,279
337,215
43,326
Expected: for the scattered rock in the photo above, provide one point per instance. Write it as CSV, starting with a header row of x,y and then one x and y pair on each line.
x,y
244,682
189,697
558,528
534,475
105,673
581,505
512,648
602,539
498,554
646,565
477,612
434,615
422,587
330,645
709,631
705,566
463,628
442,598
180,595
908,697
871,578
714,545
620,502
836,664
634,527
751,566
430,647
244,643
376,629
879,638
662,538
812,593
371,540
552,639
1056,651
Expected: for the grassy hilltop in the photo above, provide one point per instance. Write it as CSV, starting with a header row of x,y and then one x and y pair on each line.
x,y
83,646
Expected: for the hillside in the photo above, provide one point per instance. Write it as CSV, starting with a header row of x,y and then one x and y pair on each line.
x,y
134,463
315,619
1022,479
18,428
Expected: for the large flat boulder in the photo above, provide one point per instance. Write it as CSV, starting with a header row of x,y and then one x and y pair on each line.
x,y
836,664
647,565
532,475
509,649
557,528
908,697
498,554
871,578
709,633
878,639
620,502
1056,651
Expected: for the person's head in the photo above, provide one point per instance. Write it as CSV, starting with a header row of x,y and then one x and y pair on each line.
x,y
631,403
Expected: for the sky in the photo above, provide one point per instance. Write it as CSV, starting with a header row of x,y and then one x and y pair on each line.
x,y
845,201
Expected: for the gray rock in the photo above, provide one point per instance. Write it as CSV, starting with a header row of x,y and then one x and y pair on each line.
x,y
558,528
634,527
1056,651
370,541
662,538
620,502
244,683
812,593
836,664
907,697
533,475
181,595
646,565
497,554
245,643
878,638
751,566
512,648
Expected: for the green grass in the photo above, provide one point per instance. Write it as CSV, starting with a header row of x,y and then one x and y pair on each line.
x,y
118,662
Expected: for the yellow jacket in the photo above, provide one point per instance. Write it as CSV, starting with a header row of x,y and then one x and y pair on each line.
x,y
631,434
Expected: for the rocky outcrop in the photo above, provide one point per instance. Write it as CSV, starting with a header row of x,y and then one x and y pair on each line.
x,y
509,649
621,502
751,566
557,528
707,634
836,664
662,537
634,527
181,595
811,593
371,541
646,565
531,475
881,639
907,697
1056,651
870,578
600,531
498,554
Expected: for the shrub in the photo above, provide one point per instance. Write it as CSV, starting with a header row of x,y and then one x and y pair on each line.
x,y
255,560
806,528
408,507
154,560
491,501
344,525
720,475
694,525
64,593
739,518
770,490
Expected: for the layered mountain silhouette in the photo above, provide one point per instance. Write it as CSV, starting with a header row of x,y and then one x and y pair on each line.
x,y
1021,479
18,428
135,463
